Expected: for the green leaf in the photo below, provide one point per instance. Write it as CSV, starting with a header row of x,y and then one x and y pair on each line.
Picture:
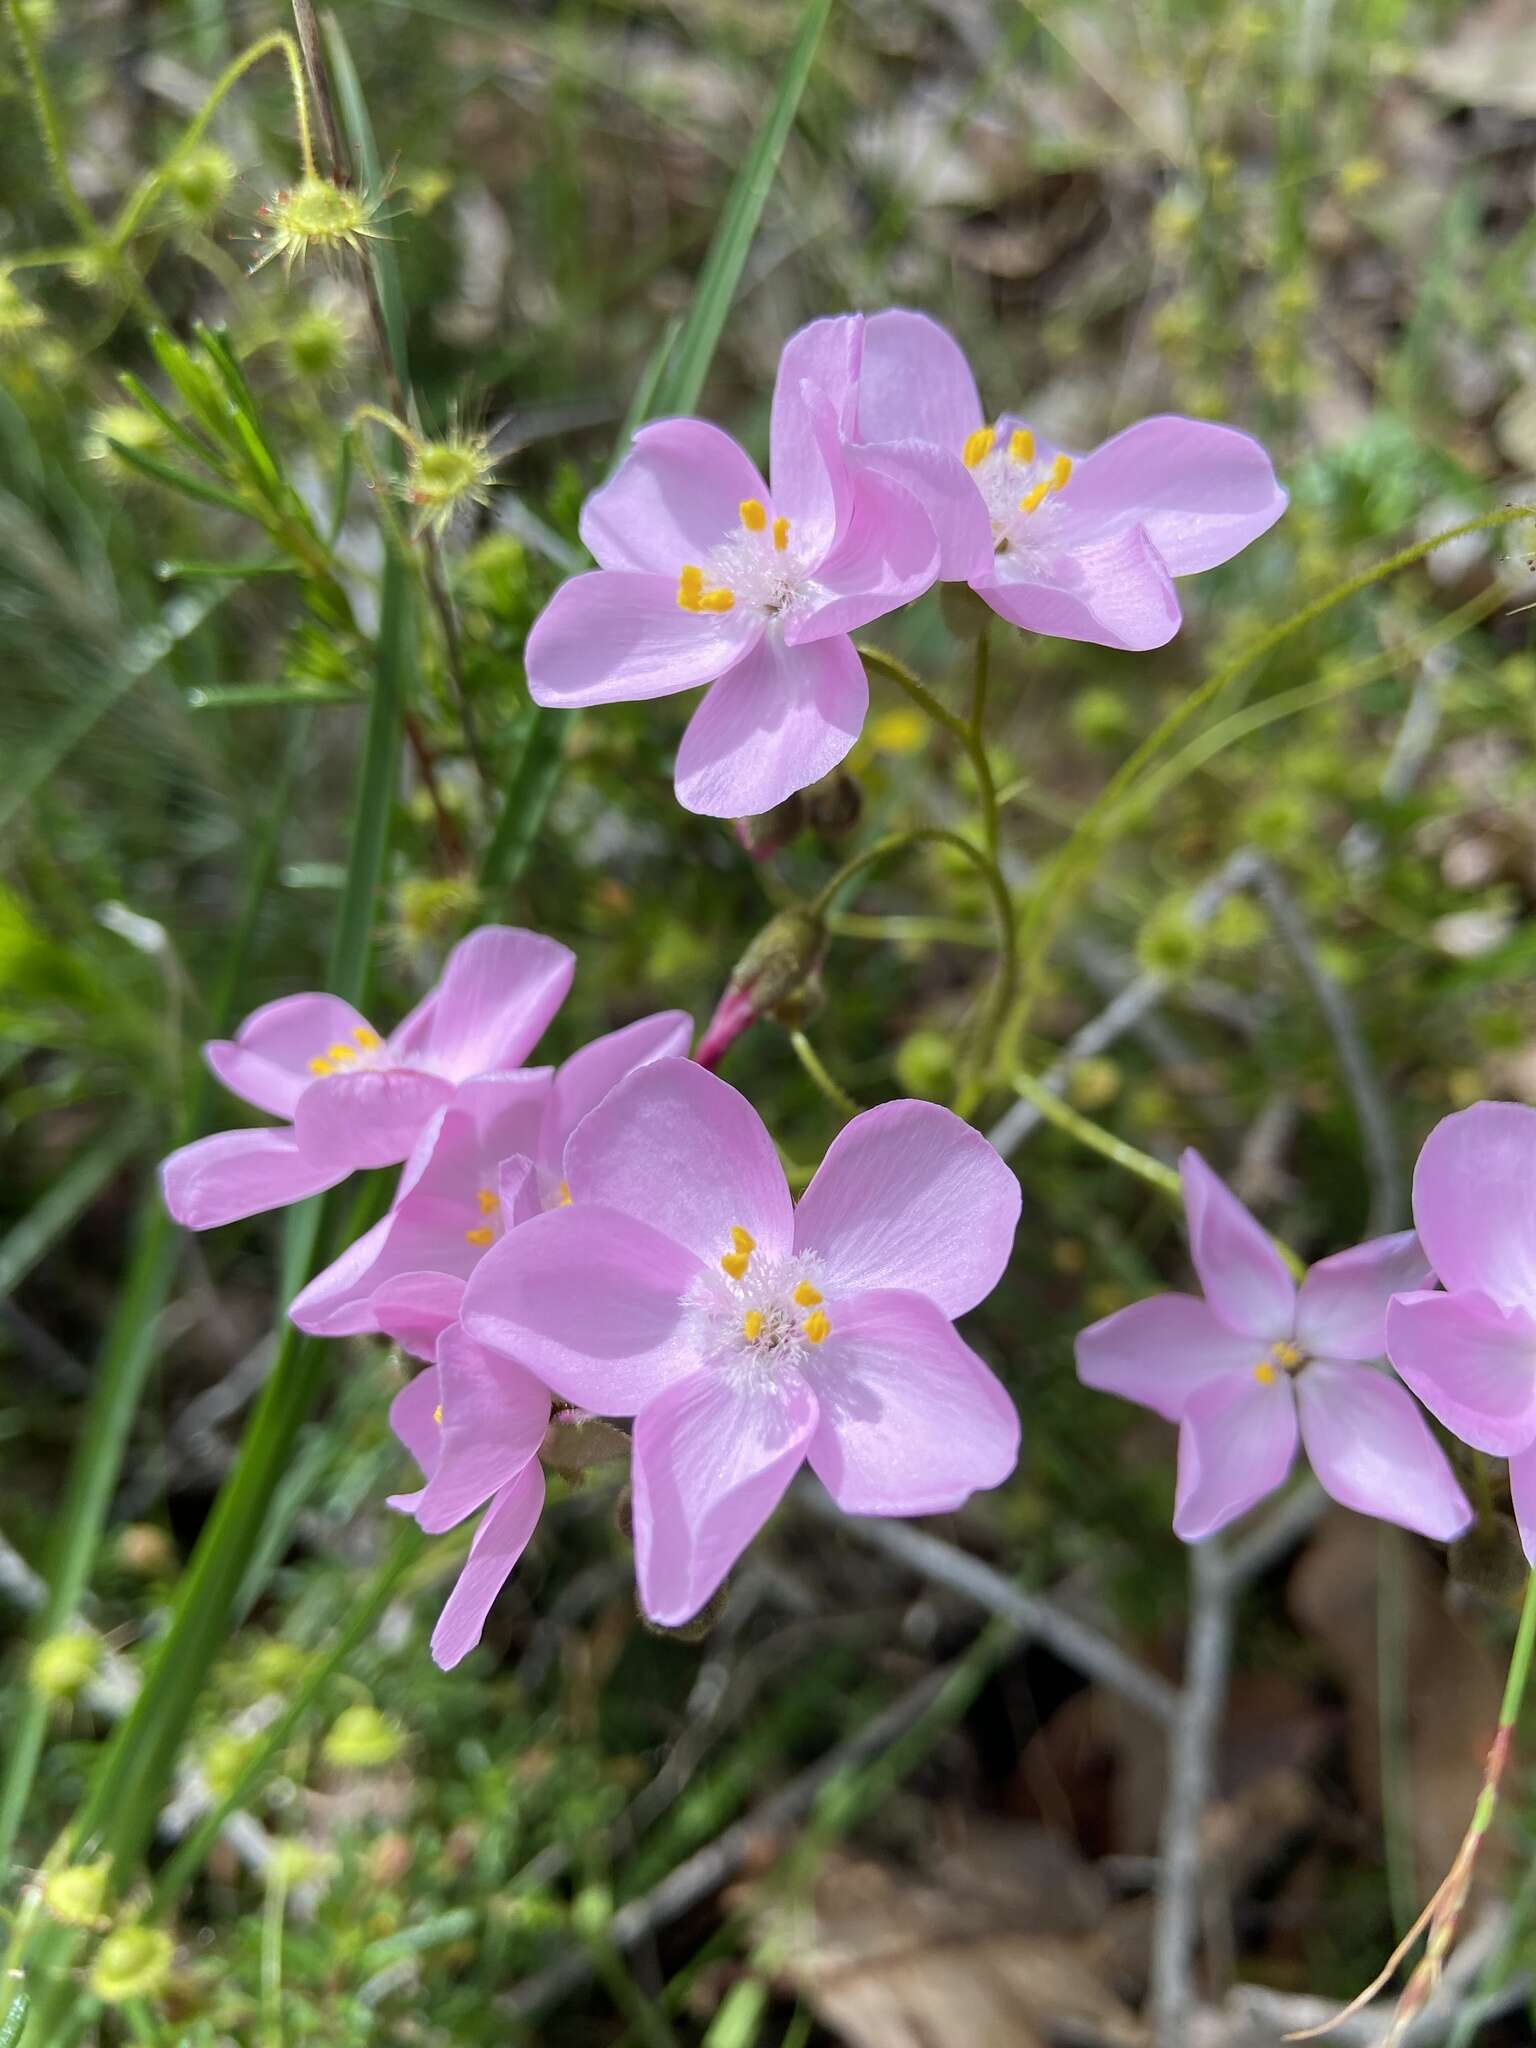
x,y
257,696
178,480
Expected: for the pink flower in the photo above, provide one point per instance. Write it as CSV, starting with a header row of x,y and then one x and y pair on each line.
x,y
352,1098
1080,547
487,1161
707,576
744,1335
473,1422
1242,1370
1470,1353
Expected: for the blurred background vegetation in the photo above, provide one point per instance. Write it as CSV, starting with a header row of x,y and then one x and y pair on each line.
x,y
1311,220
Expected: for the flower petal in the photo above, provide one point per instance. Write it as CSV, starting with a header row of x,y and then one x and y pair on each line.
x,y
1244,1278
1373,1451
498,990
1161,1352
1111,592
1200,492
608,638
240,1173
590,1302
1474,1201
915,384
413,1418
676,495
1341,1308
780,720
1236,1443
683,1152
947,492
887,556
267,1062
712,1457
912,1422
911,1197
494,1415
414,1309
349,1121
1472,1364
588,1075
813,407
500,1541
1522,1498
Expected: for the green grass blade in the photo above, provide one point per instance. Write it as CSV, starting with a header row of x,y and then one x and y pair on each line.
x,y
71,1194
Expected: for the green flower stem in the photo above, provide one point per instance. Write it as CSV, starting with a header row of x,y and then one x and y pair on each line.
x,y
810,1059
1060,1113
46,114
967,731
986,788
1107,817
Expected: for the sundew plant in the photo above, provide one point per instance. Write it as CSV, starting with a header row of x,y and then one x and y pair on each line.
x,y
853,1358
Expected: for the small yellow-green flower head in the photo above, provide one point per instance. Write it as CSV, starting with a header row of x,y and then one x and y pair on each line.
x,y
201,181
432,908
19,315
361,1739
63,1664
139,432
317,343
1093,1084
1169,944
133,1962
223,1759
74,1895
925,1064
443,477
295,1863
316,216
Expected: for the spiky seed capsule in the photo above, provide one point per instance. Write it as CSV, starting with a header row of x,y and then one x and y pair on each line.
x,y
441,476
316,215
317,343
201,181
74,1895
133,1962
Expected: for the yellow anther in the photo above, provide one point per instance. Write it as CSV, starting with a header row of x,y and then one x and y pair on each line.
x,y
1287,1354
752,1324
978,446
735,1264
483,1235
368,1040
1264,1373
690,577
806,1296
321,1066
1061,469
437,1414
340,1053
715,601
563,1195
1034,499
1021,445
816,1326
754,515
742,1240
487,1199
781,534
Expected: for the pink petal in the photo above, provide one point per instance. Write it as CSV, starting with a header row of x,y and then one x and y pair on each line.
x,y
1522,1498
1161,1352
1474,1201
1472,1364
1236,1443
588,1075
1245,1279
414,1309
947,492
1200,492
606,638
909,1196
367,1119
522,1198
676,495
338,1301
712,1457
240,1173
812,413
1374,1453
590,1302
912,1422
267,1060
683,1152
413,1418
887,556
500,1541
1112,592
780,720
498,990
494,1416
1341,1309
915,384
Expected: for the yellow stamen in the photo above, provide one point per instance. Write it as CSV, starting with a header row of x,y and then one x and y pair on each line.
x,y
1033,500
563,1195
483,1235
1061,469
1286,1354
1264,1373
978,446
781,534
805,1295
735,1263
437,1414
714,601
752,1324
742,1240
487,1200
816,1326
1021,445
368,1040
321,1066
340,1053
690,577
754,515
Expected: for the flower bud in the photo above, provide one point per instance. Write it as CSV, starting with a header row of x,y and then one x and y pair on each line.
x,y
775,968
762,836
925,1064
361,1739
75,1894
133,1962
63,1664
201,181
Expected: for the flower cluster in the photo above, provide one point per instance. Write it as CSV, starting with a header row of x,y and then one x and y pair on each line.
x,y
885,475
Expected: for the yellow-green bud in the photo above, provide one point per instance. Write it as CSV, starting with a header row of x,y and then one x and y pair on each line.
x,y
139,432
443,478
223,1758
63,1664
133,1962
317,343
292,1863
592,1911
1169,944
75,1894
317,216
201,181
925,1064
361,1739
432,908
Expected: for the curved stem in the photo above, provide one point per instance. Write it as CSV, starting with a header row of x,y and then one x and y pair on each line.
x,y
46,115
810,1059
986,788
1097,1139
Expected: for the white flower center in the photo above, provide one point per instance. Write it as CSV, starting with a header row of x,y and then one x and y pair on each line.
x,y
755,1315
1018,487
758,566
